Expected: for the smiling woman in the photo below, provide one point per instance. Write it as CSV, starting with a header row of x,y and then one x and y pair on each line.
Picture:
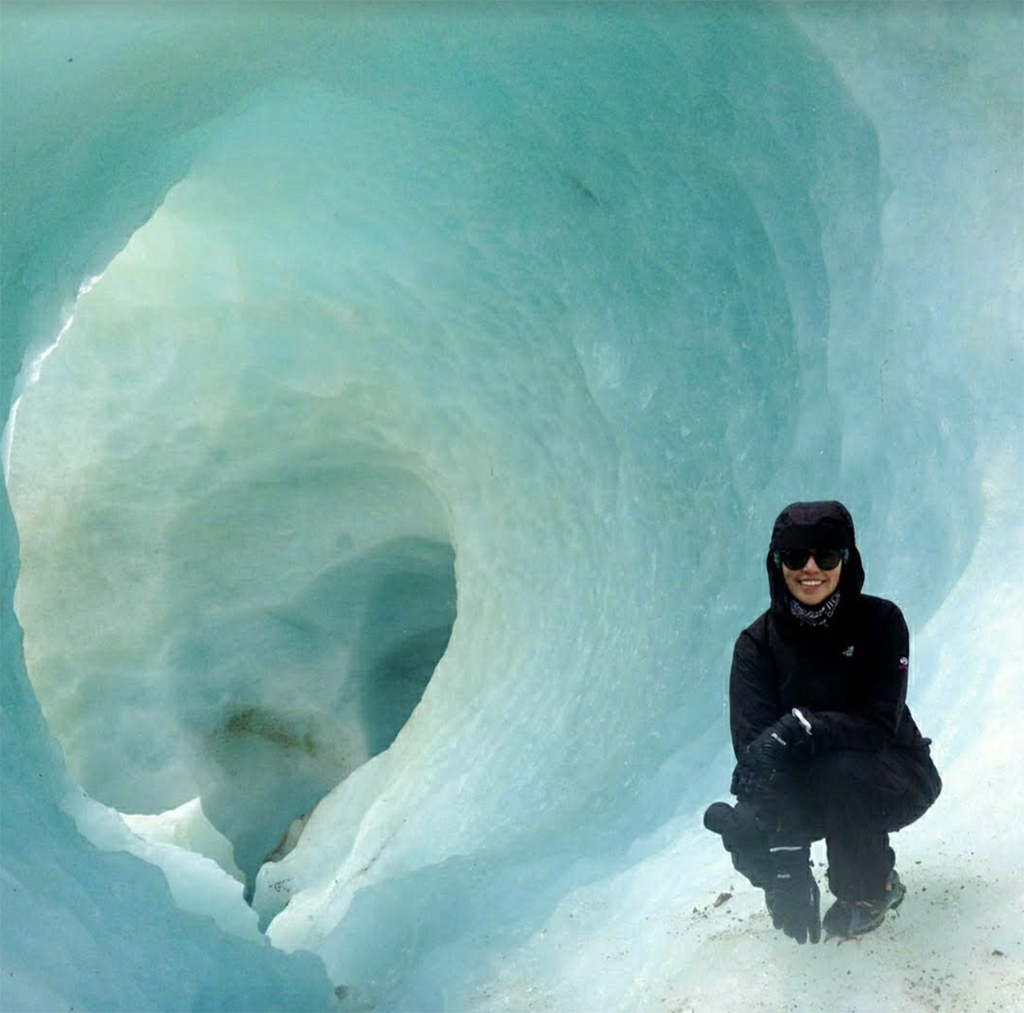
x,y
811,581
825,743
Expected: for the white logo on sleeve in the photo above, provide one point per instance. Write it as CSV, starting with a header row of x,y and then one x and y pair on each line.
x,y
848,653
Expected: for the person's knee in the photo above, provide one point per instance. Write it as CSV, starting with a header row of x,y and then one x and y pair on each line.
x,y
743,838
737,825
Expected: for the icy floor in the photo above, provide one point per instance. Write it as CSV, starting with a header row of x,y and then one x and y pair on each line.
x,y
956,943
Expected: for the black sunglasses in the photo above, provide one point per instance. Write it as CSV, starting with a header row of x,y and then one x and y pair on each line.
x,y
796,559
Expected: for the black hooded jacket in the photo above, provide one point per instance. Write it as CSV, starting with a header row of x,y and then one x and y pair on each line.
x,y
850,673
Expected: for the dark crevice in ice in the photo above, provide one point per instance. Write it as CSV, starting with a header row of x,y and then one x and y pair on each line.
x,y
280,763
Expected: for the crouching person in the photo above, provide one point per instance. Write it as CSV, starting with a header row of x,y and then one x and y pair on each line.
x,y
825,744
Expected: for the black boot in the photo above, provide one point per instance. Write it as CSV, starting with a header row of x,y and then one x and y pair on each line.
x,y
849,918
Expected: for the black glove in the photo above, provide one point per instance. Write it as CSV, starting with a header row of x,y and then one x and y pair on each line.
x,y
752,782
793,898
791,737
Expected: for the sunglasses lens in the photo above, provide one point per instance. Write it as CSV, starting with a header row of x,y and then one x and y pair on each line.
x,y
796,559
828,559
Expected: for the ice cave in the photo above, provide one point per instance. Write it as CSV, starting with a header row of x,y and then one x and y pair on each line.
x,y
397,401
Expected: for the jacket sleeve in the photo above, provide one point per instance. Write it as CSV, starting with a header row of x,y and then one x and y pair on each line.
x,y
753,692
877,720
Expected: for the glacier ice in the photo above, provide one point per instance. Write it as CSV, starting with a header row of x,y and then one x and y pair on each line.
x,y
427,380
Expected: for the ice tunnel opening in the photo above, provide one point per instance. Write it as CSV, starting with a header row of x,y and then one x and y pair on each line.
x,y
247,640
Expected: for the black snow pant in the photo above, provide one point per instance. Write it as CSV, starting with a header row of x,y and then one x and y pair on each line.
x,y
853,800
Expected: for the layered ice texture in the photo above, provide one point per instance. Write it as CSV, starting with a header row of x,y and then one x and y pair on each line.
x,y
398,400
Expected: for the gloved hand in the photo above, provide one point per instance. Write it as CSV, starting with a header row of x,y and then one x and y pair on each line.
x,y
791,737
752,782
793,898
759,763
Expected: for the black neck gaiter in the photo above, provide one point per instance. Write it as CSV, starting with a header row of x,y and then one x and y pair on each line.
x,y
819,615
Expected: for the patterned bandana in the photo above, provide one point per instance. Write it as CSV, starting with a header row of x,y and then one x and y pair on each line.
x,y
817,616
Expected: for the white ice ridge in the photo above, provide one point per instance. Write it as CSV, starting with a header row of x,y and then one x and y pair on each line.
x,y
398,490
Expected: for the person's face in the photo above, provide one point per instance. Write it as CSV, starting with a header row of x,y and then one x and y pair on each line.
x,y
811,585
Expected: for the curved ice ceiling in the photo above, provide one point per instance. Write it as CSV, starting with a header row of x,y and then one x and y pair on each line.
x,y
574,297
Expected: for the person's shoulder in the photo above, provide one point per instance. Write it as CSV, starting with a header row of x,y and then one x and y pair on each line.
x,y
757,630
877,609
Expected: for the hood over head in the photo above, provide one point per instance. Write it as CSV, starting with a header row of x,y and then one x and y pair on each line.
x,y
824,524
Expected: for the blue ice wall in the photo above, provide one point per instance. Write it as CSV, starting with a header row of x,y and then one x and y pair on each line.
x,y
611,284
